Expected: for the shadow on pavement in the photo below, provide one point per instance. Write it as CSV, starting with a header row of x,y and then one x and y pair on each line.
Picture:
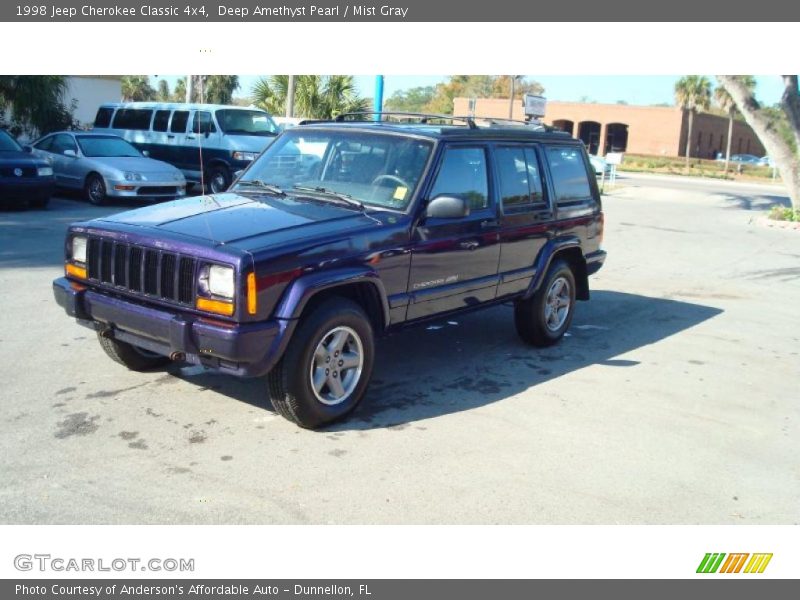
x,y
473,360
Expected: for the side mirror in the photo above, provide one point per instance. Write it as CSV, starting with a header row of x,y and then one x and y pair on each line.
x,y
28,149
447,207
71,153
146,153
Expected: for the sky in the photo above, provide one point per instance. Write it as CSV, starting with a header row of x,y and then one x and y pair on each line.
x,y
609,89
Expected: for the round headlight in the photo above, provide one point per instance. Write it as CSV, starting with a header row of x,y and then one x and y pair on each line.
x,y
79,249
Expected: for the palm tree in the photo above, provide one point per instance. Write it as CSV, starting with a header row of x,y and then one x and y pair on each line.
x,y
136,88
316,96
36,102
692,92
726,103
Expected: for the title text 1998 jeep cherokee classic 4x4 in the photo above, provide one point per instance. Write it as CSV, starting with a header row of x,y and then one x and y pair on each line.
x,y
338,232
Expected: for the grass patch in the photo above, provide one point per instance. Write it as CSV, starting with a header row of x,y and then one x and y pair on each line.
x,y
697,167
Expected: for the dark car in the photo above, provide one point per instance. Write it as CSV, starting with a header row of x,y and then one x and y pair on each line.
x,y
24,178
338,233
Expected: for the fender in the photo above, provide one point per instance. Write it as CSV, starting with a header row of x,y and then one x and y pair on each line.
x,y
302,289
546,255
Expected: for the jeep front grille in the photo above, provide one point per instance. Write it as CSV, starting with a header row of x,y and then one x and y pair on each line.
x,y
144,271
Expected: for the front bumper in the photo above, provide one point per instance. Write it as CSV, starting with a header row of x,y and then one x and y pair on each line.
x,y
146,189
246,350
39,188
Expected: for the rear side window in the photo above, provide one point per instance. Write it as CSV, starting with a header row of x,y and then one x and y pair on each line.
x,y
179,120
569,174
132,118
463,174
161,120
520,182
103,117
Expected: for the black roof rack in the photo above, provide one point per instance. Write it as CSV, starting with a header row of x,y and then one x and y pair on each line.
x,y
424,118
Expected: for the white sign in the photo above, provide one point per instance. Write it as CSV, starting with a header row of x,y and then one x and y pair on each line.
x,y
614,158
534,105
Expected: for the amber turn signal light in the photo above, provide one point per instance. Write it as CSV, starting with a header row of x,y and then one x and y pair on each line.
x,y
215,306
75,271
252,294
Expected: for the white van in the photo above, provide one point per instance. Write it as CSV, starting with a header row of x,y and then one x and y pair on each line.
x,y
209,140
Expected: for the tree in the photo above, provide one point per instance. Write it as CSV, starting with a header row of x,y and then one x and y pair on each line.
x,y
163,94
36,103
726,103
411,100
316,96
783,149
477,86
136,88
179,94
692,92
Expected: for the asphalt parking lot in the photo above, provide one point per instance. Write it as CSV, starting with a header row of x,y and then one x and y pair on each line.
x,y
673,400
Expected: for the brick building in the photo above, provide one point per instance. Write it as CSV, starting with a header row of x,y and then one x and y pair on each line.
x,y
656,130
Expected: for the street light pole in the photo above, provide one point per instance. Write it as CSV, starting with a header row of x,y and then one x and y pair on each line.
x,y
511,101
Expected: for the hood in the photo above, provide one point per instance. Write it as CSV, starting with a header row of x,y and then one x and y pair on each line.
x,y
13,157
250,143
230,218
139,164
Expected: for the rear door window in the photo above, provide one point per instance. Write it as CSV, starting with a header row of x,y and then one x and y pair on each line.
x,y
520,180
569,174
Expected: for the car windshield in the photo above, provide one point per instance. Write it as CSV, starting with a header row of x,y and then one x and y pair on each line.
x,y
96,146
246,122
8,143
372,168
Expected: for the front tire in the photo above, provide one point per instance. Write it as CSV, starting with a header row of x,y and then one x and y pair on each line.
x,y
219,179
326,368
132,357
95,189
543,319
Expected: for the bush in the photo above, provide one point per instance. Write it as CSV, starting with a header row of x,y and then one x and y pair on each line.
x,y
783,213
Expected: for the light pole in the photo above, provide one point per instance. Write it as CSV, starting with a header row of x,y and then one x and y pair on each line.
x,y
511,100
290,97
377,104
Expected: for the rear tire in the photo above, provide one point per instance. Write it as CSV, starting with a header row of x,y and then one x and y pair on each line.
x,y
543,319
312,384
136,359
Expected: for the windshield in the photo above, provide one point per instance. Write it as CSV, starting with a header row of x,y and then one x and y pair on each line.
x,y
93,146
246,122
8,143
376,169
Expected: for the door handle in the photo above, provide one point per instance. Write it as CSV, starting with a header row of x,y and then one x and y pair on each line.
x,y
170,137
190,137
470,245
490,223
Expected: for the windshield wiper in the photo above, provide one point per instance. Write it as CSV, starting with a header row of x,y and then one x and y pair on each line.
x,y
327,193
269,187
